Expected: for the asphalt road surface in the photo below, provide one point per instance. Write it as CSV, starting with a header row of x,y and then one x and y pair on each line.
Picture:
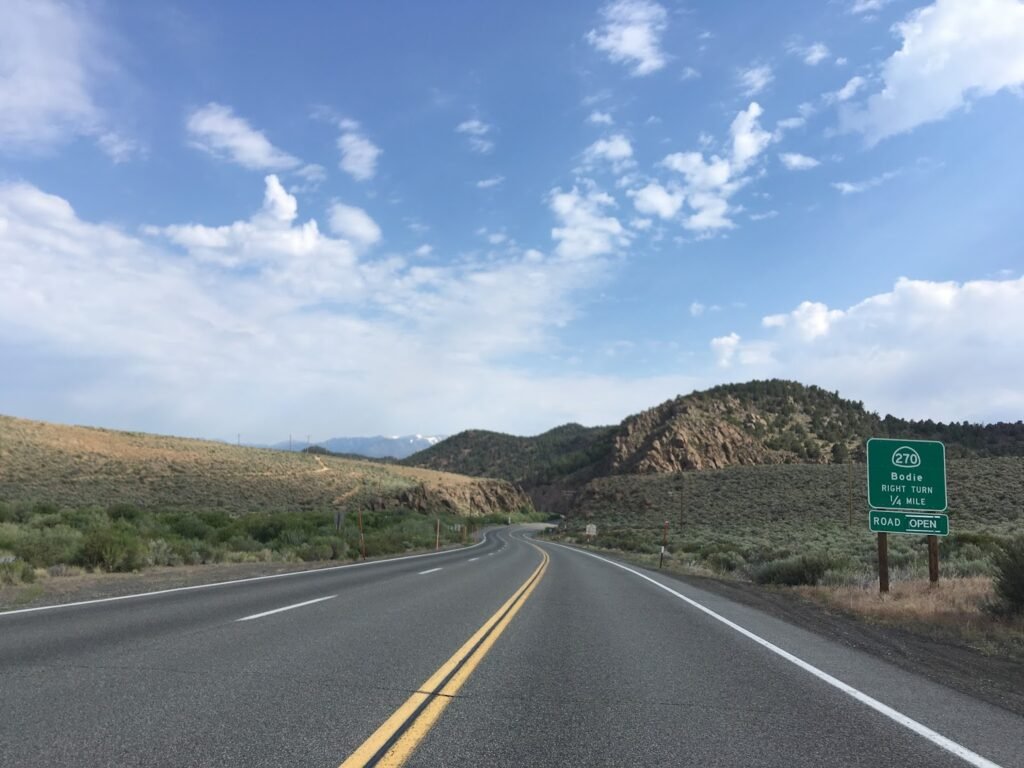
x,y
508,653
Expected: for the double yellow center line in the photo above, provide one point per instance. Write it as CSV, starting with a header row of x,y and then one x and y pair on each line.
x,y
395,741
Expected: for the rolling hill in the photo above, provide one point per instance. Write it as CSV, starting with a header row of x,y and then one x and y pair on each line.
x,y
752,424
82,466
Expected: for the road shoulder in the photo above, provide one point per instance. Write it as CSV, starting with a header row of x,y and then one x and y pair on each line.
x,y
995,680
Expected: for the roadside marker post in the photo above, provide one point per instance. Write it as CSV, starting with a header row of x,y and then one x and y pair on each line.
x,y
437,536
883,562
906,482
664,543
933,559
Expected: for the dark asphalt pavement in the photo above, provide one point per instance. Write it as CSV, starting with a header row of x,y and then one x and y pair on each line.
x,y
599,667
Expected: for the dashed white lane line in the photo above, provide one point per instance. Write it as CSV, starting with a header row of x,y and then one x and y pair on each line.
x,y
286,608
473,558
424,573
194,587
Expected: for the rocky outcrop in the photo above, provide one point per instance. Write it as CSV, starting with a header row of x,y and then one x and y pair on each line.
x,y
475,499
687,434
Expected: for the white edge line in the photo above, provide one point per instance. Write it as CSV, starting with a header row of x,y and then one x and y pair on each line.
x,y
286,608
239,581
921,730
424,573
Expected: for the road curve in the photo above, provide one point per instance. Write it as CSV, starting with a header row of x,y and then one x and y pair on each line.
x,y
596,665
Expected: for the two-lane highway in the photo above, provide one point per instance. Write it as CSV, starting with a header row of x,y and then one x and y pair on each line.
x,y
177,679
506,653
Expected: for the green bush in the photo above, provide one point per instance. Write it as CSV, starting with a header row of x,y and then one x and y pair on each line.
x,y
10,533
725,561
15,571
116,548
85,518
1009,577
318,549
124,512
243,544
123,537
46,546
162,553
793,571
188,526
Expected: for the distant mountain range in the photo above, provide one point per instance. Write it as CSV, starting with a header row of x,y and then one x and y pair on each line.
x,y
378,447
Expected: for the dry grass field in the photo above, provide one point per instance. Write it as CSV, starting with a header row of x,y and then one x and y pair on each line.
x,y
805,526
82,466
736,520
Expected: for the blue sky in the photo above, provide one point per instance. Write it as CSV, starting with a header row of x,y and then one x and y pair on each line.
x,y
364,218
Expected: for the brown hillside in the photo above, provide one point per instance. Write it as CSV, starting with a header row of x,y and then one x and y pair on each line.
x,y
81,466
687,433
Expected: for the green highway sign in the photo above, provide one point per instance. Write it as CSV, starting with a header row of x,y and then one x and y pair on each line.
x,y
887,521
907,475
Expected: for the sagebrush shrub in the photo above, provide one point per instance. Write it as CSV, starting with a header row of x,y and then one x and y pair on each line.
x,y
1009,576
793,571
116,548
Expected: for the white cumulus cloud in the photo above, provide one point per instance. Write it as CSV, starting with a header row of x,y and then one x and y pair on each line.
x,y
632,34
616,150
809,320
54,56
657,200
868,6
952,52
848,91
358,154
586,230
353,224
216,129
711,182
812,54
724,349
754,79
856,187
797,162
915,351
269,318
476,132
